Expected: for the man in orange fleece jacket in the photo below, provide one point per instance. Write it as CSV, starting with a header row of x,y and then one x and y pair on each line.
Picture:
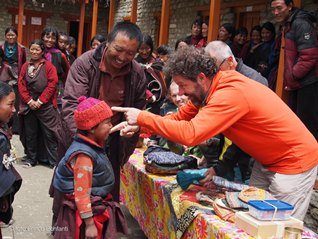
x,y
246,112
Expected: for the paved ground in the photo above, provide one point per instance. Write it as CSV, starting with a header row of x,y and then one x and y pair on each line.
x,y
32,205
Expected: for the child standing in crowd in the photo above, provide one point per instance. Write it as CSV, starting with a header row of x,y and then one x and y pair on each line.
x,y
10,180
85,177
70,48
62,42
97,40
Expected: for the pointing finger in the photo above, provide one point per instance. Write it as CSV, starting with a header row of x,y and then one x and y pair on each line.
x,y
119,126
120,109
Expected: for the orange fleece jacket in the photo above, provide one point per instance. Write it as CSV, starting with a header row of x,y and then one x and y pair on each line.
x,y
250,115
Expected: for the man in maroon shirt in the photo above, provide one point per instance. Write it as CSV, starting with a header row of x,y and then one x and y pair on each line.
x,y
108,73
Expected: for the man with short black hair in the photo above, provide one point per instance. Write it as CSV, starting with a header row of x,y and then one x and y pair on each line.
x,y
109,73
301,61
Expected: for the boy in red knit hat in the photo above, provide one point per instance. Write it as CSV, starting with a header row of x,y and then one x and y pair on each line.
x,y
85,177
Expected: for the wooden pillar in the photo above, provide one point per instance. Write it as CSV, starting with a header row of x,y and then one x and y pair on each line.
x,y
297,3
94,18
20,20
81,29
283,94
214,20
164,22
111,15
134,6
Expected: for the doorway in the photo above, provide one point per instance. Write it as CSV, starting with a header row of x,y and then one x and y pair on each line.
x,y
73,31
249,20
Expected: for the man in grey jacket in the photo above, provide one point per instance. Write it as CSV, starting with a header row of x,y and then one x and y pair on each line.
x,y
233,156
301,60
227,61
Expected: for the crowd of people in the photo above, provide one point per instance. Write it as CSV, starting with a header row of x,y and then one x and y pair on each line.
x,y
83,116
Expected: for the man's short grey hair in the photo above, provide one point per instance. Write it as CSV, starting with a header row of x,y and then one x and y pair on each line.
x,y
189,62
219,49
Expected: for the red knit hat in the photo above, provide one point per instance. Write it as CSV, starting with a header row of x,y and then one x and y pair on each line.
x,y
90,112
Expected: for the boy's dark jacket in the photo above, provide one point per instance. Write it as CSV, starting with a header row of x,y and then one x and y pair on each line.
x,y
10,179
103,175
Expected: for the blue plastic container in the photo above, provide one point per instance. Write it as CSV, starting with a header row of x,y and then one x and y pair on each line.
x,y
267,210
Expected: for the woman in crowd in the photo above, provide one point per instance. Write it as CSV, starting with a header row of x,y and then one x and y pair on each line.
x,y
156,89
145,52
37,86
14,53
195,36
97,40
180,43
268,34
249,47
239,41
15,57
57,58
163,53
204,33
226,33
258,56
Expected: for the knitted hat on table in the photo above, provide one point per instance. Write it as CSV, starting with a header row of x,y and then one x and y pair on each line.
x,y
90,112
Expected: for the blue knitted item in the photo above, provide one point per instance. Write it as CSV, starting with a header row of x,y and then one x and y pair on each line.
x,y
190,176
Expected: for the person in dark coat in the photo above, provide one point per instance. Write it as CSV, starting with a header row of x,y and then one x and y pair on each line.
x,y
97,40
156,85
108,73
6,72
196,35
301,61
226,33
38,109
15,57
248,50
258,56
239,41
10,179
70,48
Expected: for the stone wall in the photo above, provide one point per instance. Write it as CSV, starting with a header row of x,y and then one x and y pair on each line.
x,y
311,219
182,13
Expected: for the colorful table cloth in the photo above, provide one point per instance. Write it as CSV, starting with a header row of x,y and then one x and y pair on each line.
x,y
142,193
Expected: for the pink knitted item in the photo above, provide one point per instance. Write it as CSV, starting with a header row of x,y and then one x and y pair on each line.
x,y
90,112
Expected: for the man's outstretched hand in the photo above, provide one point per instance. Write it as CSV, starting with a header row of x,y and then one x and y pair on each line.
x,y
125,129
208,175
131,114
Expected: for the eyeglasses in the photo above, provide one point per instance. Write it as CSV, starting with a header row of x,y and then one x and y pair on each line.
x,y
224,60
